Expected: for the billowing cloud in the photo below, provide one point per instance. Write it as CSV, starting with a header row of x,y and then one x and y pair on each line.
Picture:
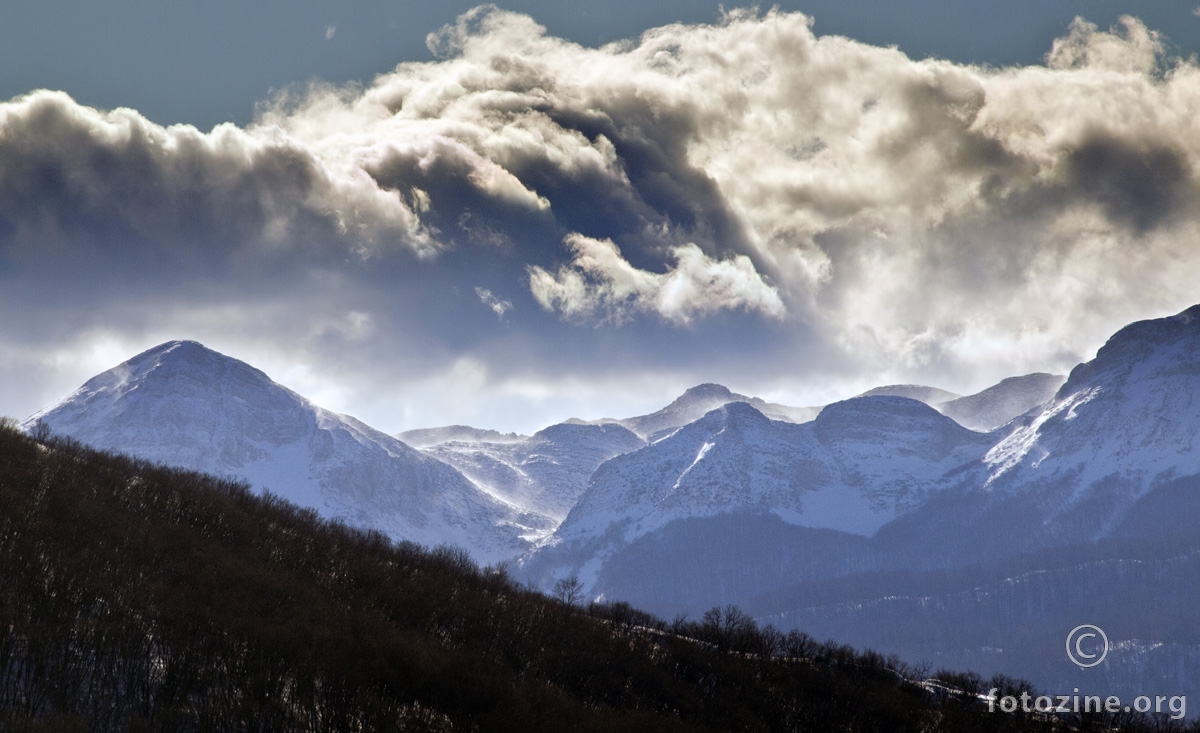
x,y
599,283
743,200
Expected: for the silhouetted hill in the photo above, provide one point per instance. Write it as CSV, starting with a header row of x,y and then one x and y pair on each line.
x,y
139,597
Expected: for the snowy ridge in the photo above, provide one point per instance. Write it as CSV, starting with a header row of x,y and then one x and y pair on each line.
x,y
425,437
185,405
878,454
860,464
697,402
1129,418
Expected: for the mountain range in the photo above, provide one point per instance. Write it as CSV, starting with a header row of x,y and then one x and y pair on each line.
x,y
905,508
495,494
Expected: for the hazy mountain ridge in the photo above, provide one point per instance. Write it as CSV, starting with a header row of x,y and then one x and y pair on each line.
x,y
931,396
999,404
697,402
545,472
425,437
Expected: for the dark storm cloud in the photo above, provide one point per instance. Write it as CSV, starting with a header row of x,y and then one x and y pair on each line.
x,y
707,202
71,174
1139,182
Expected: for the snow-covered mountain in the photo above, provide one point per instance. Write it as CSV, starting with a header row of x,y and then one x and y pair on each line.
x,y
186,405
860,464
1086,508
1122,424
917,488
985,410
546,472
1001,403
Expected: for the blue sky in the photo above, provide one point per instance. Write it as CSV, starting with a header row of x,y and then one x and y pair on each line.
x,y
424,215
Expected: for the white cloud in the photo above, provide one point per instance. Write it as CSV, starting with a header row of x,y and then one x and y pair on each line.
x,y
1131,49
498,306
330,31
600,284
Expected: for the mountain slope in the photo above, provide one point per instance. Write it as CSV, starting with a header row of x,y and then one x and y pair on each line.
x,y
545,472
1086,509
1121,423
852,469
1001,403
185,405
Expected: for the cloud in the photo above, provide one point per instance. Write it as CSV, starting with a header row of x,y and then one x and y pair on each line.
x,y
740,199
499,307
330,31
599,283
1132,48
73,174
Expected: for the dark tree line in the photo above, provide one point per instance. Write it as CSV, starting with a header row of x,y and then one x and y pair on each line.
x,y
138,597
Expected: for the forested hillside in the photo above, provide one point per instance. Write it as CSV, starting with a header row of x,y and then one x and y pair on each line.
x,y
138,597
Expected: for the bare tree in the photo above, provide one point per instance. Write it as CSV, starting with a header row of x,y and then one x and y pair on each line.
x,y
569,590
41,431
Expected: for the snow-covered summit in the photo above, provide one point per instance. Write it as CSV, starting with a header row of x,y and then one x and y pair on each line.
x,y
860,427
1121,422
696,402
931,396
183,395
183,404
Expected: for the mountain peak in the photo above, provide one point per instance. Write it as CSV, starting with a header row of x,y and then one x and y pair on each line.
x,y
919,392
181,351
708,390
176,366
741,410
175,350
1151,347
